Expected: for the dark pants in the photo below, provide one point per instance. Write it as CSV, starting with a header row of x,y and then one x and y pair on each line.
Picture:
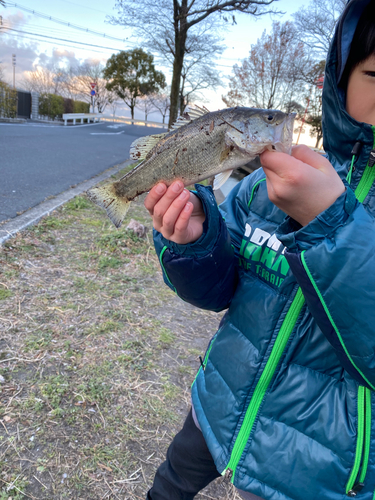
x,y
188,469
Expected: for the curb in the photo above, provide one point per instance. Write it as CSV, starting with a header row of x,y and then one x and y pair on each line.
x,y
33,215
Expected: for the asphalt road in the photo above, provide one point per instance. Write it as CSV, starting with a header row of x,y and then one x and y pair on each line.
x,y
38,161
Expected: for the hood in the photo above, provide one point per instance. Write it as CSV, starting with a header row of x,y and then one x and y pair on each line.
x,y
340,130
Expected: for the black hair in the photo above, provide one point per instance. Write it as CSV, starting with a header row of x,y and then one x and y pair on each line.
x,y
363,43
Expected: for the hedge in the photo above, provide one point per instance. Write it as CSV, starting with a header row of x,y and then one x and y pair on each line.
x,y
8,101
54,106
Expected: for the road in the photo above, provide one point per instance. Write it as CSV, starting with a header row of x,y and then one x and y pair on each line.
x,y
39,160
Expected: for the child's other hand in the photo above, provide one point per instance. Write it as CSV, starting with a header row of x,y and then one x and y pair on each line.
x,y
302,185
176,212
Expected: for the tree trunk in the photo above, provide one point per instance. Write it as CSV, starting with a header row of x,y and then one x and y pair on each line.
x,y
180,29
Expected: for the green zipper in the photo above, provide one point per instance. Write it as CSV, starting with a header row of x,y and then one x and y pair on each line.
x,y
263,383
367,179
362,452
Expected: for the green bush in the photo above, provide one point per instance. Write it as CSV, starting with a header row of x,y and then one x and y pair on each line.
x,y
8,101
51,105
81,107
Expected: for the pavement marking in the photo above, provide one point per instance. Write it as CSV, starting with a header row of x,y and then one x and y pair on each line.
x,y
117,126
53,126
107,133
33,215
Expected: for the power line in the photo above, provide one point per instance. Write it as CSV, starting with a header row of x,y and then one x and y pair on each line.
x,y
53,43
60,39
86,30
65,23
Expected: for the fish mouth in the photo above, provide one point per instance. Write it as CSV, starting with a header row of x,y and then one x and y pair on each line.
x,y
284,135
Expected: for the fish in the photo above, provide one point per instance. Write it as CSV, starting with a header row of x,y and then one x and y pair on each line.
x,y
200,145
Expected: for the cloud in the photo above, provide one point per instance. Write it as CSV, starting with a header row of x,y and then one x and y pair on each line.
x,y
26,54
32,53
15,20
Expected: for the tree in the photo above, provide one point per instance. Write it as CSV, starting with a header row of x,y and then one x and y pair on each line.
x,y
272,76
195,78
165,26
45,81
314,108
316,23
131,74
162,103
83,76
146,104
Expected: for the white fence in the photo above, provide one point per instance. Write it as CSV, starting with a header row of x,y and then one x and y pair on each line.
x,y
133,122
80,116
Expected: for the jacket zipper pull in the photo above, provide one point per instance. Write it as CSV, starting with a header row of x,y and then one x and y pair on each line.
x,y
371,161
356,149
201,361
355,490
227,476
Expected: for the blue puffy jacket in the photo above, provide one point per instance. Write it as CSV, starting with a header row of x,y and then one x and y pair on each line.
x,y
285,395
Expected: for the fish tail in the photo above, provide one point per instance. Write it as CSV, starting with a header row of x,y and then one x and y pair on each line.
x,y
106,197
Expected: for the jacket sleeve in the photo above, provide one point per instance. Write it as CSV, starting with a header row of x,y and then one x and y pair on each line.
x,y
333,260
202,273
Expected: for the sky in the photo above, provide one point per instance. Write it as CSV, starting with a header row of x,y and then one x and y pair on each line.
x,y
32,49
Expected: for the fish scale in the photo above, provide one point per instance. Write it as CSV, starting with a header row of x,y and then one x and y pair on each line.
x,y
212,144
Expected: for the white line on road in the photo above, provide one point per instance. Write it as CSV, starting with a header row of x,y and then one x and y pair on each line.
x,y
107,133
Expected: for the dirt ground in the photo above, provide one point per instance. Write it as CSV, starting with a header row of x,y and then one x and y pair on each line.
x,y
97,357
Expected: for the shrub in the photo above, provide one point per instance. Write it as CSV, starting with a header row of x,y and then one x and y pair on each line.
x,y
51,105
8,101
81,107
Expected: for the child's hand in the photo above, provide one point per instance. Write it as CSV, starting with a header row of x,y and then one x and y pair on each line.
x,y
302,185
176,212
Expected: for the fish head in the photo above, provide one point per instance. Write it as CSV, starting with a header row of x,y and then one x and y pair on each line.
x,y
255,130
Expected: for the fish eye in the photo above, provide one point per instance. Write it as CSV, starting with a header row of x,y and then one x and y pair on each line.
x,y
270,118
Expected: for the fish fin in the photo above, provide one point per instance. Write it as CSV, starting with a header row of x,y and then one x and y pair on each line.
x,y
105,197
192,112
195,111
140,147
220,179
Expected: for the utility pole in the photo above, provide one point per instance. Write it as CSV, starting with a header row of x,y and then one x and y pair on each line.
x,y
14,70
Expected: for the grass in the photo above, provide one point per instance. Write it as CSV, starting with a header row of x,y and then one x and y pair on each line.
x,y
98,357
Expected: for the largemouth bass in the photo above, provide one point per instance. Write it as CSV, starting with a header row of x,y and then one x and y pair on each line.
x,y
200,145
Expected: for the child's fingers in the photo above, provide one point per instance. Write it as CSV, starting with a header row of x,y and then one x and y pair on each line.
x,y
312,158
280,163
154,196
173,213
165,202
182,223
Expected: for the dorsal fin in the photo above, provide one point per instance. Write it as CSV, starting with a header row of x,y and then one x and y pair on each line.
x,y
192,112
140,147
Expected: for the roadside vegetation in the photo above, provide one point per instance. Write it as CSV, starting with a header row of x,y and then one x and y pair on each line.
x,y
97,357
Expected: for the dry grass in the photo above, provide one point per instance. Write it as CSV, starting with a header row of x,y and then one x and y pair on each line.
x,y
96,360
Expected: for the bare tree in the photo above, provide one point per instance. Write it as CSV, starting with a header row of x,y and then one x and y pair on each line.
x,y
80,85
316,23
194,81
167,27
45,81
162,103
271,77
146,104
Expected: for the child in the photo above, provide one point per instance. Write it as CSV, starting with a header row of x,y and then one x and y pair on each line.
x,y
283,405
